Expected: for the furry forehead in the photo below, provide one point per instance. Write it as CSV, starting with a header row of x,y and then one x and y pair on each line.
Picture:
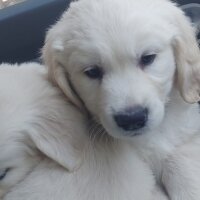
x,y
111,20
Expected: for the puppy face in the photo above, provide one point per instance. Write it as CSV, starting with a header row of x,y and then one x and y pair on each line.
x,y
117,82
120,59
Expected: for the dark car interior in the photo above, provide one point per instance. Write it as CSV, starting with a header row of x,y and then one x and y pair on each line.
x,y
23,26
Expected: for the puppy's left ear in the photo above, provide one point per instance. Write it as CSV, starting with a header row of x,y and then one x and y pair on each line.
x,y
58,149
62,141
187,56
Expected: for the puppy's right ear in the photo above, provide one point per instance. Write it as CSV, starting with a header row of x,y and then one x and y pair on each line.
x,y
56,70
187,56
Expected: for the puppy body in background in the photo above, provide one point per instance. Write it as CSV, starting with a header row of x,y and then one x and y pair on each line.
x,y
135,67
33,124
42,155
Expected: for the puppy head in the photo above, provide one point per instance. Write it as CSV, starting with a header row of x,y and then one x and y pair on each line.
x,y
33,125
121,60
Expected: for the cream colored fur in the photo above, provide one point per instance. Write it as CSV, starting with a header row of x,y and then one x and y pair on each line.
x,y
33,124
113,35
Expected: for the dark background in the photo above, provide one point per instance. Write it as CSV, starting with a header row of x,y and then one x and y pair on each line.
x,y
23,27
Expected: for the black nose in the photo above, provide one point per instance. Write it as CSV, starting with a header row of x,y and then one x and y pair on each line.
x,y
132,119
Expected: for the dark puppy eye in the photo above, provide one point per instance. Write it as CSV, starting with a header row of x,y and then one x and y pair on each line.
x,y
94,72
147,59
3,173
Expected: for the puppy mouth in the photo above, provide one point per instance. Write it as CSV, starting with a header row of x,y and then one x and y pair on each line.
x,y
133,134
98,131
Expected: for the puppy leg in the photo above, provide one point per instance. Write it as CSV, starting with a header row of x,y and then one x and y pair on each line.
x,y
181,172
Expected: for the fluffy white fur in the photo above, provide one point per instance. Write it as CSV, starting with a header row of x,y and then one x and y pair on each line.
x,y
114,34
33,123
48,150
107,172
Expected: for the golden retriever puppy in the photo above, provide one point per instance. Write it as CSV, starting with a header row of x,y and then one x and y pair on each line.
x,y
33,124
47,152
134,66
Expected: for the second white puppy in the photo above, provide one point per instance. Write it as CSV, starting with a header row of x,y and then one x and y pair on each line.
x,y
33,116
